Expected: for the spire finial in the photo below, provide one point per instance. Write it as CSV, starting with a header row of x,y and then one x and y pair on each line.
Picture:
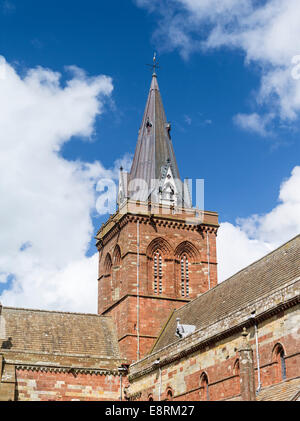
x,y
154,65
154,62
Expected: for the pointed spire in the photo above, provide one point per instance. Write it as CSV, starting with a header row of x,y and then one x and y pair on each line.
x,y
154,154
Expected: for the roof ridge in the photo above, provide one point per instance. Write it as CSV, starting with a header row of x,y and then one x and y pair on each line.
x,y
54,311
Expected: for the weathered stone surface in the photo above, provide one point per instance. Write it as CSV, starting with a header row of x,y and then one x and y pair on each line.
x,y
58,356
173,236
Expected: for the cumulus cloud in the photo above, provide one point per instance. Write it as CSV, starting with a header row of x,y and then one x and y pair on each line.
x,y
253,122
46,200
266,32
251,238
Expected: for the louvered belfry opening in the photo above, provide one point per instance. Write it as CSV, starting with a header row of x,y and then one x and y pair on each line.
x,y
158,273
184,271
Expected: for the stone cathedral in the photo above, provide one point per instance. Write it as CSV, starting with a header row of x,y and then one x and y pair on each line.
x,y
165,328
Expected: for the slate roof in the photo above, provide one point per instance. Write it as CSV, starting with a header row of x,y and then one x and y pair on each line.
x,y
260,278
56,332
284,391
287,390
154,150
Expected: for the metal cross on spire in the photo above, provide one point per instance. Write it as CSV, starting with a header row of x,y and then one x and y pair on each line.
x,y
154,65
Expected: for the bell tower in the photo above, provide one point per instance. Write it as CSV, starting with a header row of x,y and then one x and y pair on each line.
x,y
156,252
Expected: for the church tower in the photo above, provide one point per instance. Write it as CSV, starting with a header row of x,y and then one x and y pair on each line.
x,y
156,252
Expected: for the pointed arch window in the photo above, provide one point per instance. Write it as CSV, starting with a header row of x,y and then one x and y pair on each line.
x,y
185,277
108,264
158,273
117,256
169,396
280,359
204,389
236,372
282,363
108,275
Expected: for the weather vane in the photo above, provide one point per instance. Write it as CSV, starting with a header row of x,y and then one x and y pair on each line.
x,y
154,65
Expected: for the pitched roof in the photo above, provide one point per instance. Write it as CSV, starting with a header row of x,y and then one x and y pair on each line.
x,y
284,391
154,151
260,278
154,146
56,332
287,390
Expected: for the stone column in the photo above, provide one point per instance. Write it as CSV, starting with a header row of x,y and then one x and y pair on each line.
x,y
247,379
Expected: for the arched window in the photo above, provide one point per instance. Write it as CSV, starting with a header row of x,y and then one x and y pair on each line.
x,y
169,394
168,192
150,398
204,388
280,366
117,256
187,275
236,372
236,368
282,363
157,273
184,273
107,264
116,273
107,287
159,253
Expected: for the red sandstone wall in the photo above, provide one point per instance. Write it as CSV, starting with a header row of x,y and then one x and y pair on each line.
x,y
121,279
270,372
126,275
219,363
41,386
154,312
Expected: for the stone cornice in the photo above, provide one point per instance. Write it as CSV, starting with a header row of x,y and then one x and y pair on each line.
x,y
265,307
118,221
13,351
70,370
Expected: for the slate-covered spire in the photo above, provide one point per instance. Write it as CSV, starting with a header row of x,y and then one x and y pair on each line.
x,y
154,157
154,147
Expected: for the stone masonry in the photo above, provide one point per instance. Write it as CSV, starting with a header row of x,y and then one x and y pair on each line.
x,y
172,235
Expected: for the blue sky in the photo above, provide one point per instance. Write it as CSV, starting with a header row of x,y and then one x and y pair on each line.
x,y
203,90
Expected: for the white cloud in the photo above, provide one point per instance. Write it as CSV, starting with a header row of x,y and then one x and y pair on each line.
x,y
253,122
46,200
251,238
267,32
